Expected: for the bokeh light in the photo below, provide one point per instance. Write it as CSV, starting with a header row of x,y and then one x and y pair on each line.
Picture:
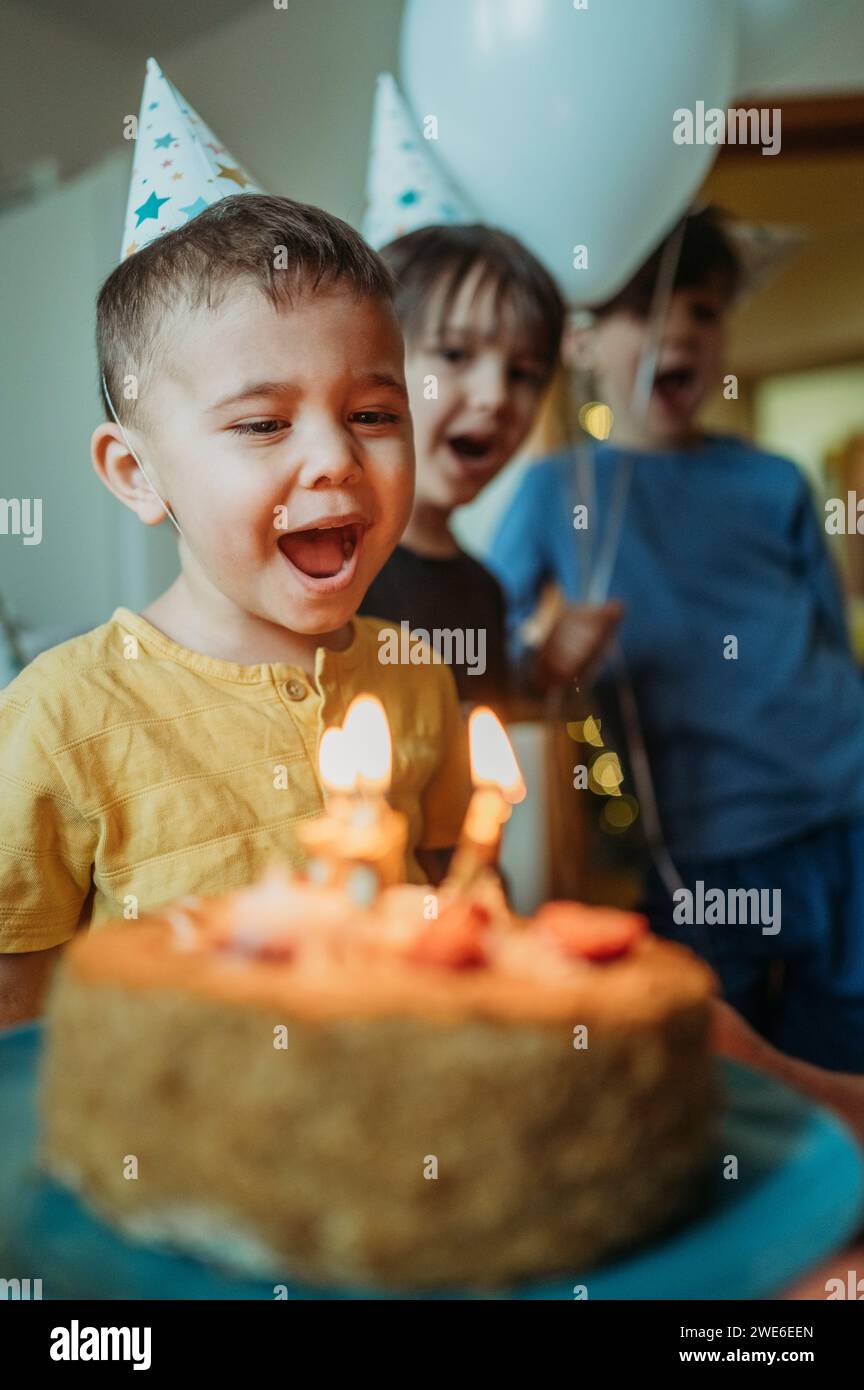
x,y
596,419
619,814
586,731
605,776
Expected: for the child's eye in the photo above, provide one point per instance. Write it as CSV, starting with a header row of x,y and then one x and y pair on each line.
x,y
374,417
705,313
532,375
260,427
453,355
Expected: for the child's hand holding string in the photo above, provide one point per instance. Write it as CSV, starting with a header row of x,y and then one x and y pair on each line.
x,y
577,640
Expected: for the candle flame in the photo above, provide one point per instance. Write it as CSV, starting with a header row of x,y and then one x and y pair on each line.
x,y
336,762
493,762
368,735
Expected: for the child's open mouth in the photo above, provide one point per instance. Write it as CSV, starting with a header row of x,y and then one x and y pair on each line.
x,y
325,556
473,453
676,387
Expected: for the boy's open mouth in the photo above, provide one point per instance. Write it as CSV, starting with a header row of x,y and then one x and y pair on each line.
x,y
326,554
473,452
676,387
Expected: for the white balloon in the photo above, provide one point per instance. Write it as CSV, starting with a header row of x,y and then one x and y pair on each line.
x,y
557,121
774,35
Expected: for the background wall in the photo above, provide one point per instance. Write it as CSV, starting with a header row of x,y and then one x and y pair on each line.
x,y
57,250
806,414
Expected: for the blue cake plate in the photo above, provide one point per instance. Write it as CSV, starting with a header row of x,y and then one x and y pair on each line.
x,y
798,1196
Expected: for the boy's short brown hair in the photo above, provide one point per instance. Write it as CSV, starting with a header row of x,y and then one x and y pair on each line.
x,y
239,237
445,255
707,256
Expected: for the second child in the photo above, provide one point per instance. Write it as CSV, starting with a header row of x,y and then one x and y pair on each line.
x,y
483,322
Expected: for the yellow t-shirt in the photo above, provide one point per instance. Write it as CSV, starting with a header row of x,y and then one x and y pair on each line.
x,y
132,766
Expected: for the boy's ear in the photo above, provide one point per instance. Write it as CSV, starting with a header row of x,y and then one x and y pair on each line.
x,y
118,469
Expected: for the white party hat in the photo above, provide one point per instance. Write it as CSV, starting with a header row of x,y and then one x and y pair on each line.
x,y
763,250
179,169
405,187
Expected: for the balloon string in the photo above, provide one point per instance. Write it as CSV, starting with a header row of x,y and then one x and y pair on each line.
x,y
599,577
585,485
660,300
601,574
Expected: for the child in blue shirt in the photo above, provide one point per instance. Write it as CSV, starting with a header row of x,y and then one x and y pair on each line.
x,y
734,637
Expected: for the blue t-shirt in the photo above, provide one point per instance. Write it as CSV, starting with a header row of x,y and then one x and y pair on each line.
x,y
718,541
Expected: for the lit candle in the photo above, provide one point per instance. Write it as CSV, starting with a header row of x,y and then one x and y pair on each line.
x,y
358,844
337,771
366,734
498,787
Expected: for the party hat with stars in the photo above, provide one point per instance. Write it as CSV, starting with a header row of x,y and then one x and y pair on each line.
x,y
180,167
405,188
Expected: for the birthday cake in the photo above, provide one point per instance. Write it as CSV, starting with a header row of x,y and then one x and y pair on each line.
x,y
424,1092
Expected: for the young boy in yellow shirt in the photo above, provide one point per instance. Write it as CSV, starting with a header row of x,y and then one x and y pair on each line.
x,y
255,365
